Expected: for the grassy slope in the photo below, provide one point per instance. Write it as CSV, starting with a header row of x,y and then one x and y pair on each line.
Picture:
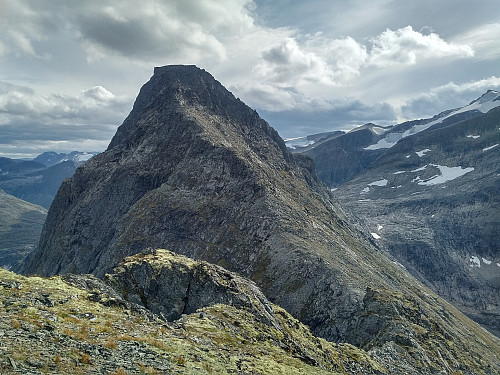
x,y
48,326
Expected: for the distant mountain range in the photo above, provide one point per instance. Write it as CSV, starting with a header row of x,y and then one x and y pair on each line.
x,y
428,191
51,158
37,180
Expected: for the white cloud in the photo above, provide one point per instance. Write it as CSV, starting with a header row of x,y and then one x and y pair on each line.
x,y
96,102
406,46
337,62
315,70
287,64
448,96
485,39
187,30
58,122
22,25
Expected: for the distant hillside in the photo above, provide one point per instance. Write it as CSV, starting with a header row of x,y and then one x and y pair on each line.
x,y
20,227
38,180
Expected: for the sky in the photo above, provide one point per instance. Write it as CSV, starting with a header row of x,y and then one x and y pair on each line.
x,y
70,70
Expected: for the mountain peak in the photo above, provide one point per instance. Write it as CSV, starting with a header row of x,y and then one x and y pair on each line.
x,y
488,96
187,92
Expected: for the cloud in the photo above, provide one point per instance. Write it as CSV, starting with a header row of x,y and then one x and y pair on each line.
x,y
288,64
23,26
447,96
406,46
32,120
316,59
341,114
485,39
187,30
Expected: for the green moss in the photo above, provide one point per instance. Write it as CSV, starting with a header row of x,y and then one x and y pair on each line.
x,y
217,339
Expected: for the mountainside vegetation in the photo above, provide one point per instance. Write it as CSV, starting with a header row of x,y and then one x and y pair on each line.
x,y
77,324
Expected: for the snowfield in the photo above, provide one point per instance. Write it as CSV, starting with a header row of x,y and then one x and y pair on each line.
x,y
446,174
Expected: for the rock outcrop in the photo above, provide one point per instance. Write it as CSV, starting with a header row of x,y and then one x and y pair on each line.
x,y
78,324
193,169
171,285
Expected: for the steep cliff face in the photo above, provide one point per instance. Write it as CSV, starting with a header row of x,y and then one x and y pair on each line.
x,y
194,170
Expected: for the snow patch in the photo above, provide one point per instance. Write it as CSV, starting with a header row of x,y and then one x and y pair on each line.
x,y
399,172
365,190
382,182
376,236
446,174
422,152
378,130
293,143
489,148
407,156
498,264
84,157
474,261
473,136
486,261
379,227
420,169
484,104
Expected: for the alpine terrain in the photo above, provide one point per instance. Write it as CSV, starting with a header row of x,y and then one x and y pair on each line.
x,y
37,180
428,191
194,170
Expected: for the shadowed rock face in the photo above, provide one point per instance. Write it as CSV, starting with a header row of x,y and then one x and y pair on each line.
x,y
195,170
171,285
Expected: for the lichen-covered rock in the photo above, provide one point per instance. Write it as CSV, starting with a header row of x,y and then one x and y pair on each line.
x,y
58,326
171,285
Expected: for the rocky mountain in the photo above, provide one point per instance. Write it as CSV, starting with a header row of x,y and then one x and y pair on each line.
x,y
206,320
20,227
439,226
193,169
341,158
301,144
433,200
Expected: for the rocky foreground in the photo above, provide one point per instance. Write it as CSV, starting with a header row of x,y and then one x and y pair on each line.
x,y
221,324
